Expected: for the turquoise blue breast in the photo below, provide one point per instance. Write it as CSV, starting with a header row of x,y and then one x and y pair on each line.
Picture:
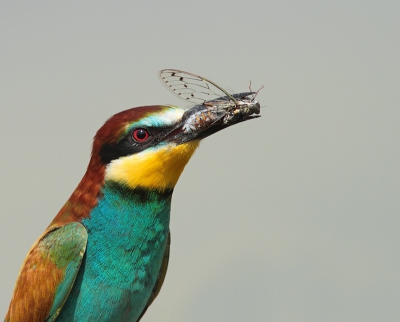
x,y
128,231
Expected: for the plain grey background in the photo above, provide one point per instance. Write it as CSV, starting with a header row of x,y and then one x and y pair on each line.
x,y
291,217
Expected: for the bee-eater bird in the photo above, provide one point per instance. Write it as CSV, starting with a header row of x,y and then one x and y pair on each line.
x,y
105,254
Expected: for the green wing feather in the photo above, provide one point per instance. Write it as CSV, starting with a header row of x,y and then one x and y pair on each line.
x,y
48,274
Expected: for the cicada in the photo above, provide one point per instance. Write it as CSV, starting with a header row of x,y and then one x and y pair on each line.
x,y
203,92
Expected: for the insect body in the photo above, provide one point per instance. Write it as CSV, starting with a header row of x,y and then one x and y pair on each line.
x,y
221,106
201,118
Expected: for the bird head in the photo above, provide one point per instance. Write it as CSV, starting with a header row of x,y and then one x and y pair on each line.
x,y
148,147
145,148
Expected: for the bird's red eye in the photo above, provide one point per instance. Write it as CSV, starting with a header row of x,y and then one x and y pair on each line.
x,y
140,135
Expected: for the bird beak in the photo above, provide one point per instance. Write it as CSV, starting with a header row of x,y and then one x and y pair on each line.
x,y
206,119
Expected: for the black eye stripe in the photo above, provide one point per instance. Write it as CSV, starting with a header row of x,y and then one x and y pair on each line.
x,y
129,145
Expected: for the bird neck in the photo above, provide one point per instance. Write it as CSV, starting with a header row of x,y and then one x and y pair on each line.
x,y
85,196
155,170
122,210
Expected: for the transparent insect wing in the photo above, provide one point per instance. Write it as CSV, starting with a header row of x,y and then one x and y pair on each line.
x,y
192,88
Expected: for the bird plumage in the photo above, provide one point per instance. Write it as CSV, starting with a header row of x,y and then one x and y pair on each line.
x,y
105,254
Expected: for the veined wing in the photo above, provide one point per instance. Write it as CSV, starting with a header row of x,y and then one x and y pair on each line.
x,y
193,88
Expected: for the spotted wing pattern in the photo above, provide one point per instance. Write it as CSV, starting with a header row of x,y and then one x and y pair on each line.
x,y
191,87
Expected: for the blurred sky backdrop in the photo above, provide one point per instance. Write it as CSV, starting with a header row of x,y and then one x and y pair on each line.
x,y
290,217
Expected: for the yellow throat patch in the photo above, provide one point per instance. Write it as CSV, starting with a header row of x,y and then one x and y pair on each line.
x,y
158,168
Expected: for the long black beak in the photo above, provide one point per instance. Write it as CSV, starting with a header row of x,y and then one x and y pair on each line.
x,y
210,117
